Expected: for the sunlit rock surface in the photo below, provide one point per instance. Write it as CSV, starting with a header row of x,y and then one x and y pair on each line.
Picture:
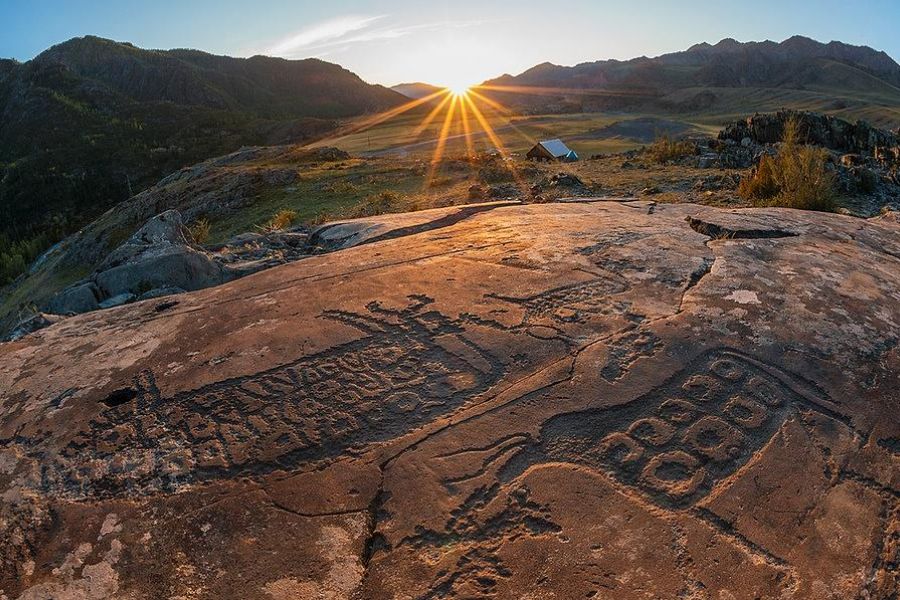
x,y
585,400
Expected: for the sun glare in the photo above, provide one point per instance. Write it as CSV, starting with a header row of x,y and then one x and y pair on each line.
x,y
460,117
459,89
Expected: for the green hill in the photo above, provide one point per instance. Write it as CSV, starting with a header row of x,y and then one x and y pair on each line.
x,y
90,122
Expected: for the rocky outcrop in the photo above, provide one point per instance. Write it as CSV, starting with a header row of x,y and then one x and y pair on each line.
x,y
820,130
214,189
30,325
864,159
159,256
354,232
579,400
75,299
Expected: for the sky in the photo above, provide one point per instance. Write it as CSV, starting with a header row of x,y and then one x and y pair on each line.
x,y
453,43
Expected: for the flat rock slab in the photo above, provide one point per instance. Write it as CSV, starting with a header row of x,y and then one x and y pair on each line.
x,y
592,400
354,232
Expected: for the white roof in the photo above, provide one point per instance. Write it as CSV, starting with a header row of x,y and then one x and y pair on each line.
x,y
555,147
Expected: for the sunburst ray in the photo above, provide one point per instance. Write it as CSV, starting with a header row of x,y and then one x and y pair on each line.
x,y
420,129
380,118
441,141
467,128
505,114
526,90
498,144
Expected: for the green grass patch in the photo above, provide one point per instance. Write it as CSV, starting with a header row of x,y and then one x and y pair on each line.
x,y
37,288
320,194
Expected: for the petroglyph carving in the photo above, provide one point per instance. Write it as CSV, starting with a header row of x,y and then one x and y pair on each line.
x,y
676,443
568,304
412,365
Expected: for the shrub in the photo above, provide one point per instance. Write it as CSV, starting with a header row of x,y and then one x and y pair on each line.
x,y
200,231
665,149
762,183
797,177
12,265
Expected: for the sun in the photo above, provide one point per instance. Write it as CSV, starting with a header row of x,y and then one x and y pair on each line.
x,y
459,89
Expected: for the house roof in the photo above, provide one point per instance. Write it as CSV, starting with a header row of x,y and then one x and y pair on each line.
x,y
555,147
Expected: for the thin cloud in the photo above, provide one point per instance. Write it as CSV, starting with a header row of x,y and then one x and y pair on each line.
x,y
322,38
390,33
321,34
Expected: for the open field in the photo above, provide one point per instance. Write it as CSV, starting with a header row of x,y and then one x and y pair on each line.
x,y
405,136
417,132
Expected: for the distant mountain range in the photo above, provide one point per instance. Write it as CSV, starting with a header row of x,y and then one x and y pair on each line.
x,y
416,90
798,63
91,121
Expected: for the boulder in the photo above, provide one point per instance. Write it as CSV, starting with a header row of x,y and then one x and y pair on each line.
x,y
290,239
566,180
118,300
160,292
329,154
161,266
79,298
159,256
162,231
504,190
707,161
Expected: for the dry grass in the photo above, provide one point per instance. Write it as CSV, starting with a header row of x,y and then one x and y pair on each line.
x,y
382,203
200,231
282,219
797,177
665,149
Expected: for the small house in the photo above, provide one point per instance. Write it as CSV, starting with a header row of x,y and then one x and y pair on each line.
x,y
552,150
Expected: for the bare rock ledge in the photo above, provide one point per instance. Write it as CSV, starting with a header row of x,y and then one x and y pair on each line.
x,y
586,400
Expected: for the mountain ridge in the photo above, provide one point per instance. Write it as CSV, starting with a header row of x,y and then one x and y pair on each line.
x,y
232,82
875,59
837,70
416,89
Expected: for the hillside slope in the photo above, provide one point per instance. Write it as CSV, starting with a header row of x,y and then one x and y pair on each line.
x,y
90,122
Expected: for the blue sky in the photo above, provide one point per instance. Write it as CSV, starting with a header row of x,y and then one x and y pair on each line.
x,y
443,42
